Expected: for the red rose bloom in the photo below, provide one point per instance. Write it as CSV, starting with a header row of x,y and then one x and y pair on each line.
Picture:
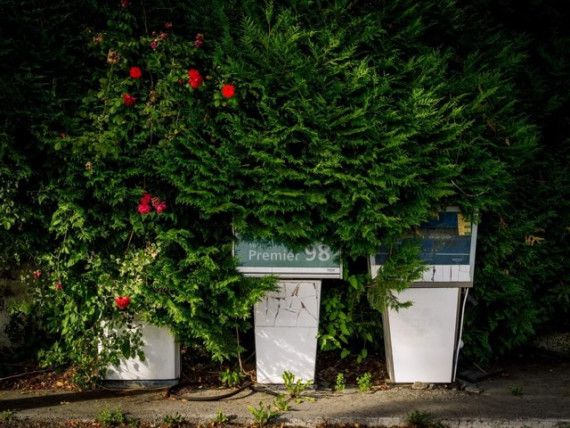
x,y
37,274
160,207
196,79
58,286
144,208
228,91
153,44
198,43
145,200
168,25
196,83
129,100
122,302
135,72
124,3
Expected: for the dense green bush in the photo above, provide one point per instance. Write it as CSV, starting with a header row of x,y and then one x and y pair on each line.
x,y
347,123
521,280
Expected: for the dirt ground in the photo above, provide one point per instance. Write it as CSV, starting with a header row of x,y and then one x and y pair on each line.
x,y
532,390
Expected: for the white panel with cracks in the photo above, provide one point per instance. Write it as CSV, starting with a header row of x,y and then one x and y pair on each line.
x,y
295,304
286,327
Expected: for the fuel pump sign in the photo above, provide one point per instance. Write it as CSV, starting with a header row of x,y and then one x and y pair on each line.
x,y
257,258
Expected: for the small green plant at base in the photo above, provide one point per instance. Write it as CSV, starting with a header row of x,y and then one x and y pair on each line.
x,y
7,415
281,403
340,383
231,378
173,421
296,388
263,414
517,391
220,420
109,418
419,419
364,382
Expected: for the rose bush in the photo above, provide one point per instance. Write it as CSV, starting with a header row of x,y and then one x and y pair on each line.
x,y
120,256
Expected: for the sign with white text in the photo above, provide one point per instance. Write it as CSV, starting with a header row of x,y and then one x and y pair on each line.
x,y
256,258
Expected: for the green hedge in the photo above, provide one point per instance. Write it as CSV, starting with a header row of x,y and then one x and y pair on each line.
x,y
347,123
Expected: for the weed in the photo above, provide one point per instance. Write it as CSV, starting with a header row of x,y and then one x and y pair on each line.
x,y
281,403
7,415
220,420
418,419
517,391
263,414
364,382
109,418
295,389
340,383
231,378
173,421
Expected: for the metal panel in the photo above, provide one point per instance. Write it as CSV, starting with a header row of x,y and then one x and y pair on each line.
x,y
162,359
421,339
286,328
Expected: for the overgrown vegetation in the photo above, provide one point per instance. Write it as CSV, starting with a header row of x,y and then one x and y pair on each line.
x,y
141,136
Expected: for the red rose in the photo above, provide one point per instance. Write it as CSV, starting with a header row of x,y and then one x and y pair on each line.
x,y
144,208
58,286
228,91
163,36
153,44
198,43
193,73
145,200
122,302
161,207
37,274
124,3
129,100
196,83
168,25
135,72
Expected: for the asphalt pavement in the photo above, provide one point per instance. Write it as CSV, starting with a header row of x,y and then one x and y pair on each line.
x,y
520,395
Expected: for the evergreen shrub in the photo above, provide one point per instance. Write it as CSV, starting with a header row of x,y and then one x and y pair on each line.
x,y
348,124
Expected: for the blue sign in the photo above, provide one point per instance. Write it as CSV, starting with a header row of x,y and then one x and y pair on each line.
x,y
440,242
447,249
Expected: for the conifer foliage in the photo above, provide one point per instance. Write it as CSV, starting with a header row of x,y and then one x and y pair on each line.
x,y
348,123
